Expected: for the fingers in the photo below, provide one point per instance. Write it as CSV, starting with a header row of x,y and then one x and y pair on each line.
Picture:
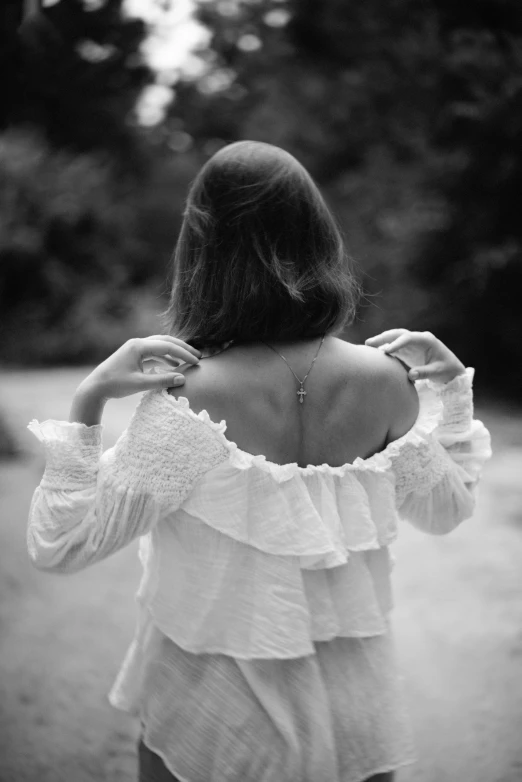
x,y
398,343
156,348
176,341
426,372
385,337
395,339
147,382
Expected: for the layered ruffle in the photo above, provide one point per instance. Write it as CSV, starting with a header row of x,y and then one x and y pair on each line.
x,y
316,517
210,594
250,558
258,569
263,560
318,514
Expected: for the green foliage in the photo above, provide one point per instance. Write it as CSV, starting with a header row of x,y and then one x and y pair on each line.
x,y
89,211
74,72
335,82
472,266
74,253
409,115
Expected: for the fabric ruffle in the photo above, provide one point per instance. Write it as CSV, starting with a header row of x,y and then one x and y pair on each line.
x,y
72,452
262,560
317,517
429,417
212,595
251,558
50,431
319,514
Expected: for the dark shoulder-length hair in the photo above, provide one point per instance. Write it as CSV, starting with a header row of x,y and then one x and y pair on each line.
x,y
259,255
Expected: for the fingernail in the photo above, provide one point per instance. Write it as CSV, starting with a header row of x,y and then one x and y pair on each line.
x,y
414,374
178,381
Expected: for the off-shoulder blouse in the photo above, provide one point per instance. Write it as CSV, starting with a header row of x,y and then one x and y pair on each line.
x,y
262,649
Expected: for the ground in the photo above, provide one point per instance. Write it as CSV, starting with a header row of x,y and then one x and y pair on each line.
x,y
458,624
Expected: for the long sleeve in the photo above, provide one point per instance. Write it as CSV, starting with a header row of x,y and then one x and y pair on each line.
x,y
437,472
90,504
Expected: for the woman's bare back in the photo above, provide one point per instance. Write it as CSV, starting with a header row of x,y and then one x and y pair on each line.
x,y
347,411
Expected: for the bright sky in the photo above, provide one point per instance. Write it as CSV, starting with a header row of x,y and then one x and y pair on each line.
x,y
174,35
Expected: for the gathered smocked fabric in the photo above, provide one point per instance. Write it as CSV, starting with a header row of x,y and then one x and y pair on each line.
x,y
243,557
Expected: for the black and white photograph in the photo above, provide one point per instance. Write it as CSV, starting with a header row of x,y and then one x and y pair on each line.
x,y
260,391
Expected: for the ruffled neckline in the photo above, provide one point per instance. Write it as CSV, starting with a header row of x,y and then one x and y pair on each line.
x,y
429,416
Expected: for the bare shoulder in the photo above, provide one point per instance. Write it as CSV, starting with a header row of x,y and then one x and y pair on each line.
x,y
372,364
356,376
211,385
388,377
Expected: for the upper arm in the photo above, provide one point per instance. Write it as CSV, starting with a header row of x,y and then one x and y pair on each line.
x,y
401,401
164,451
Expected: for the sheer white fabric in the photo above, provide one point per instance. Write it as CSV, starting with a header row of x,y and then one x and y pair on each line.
x,y
253,568
335,716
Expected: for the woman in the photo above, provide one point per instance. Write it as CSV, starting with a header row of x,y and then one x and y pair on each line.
x,y
266,496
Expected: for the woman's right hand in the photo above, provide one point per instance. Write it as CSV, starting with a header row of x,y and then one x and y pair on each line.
x,y
122,373
427,357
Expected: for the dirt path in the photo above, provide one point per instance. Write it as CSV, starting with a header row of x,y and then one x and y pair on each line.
x,y
458,626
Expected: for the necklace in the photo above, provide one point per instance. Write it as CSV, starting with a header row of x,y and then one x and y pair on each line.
x,y
301,393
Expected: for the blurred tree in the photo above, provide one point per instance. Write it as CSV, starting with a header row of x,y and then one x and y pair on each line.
x,y
472,265
330,81
73,69
79,254
409,113
89,211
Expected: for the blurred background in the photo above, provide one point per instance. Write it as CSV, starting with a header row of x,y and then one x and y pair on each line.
x,y
408,113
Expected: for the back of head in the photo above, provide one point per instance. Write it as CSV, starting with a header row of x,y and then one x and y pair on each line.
x,y
259,254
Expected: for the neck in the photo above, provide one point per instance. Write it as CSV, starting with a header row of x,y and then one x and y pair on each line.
x,y
213,350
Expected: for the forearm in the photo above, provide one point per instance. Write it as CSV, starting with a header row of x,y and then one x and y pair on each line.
x,y
69,531
87,405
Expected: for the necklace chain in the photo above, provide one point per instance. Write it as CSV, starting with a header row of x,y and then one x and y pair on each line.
x,y
301,393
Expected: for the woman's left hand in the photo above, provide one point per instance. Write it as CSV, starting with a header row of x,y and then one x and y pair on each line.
x,y
427,357
122,373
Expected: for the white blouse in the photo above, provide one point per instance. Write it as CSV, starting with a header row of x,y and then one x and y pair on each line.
x,y
262,649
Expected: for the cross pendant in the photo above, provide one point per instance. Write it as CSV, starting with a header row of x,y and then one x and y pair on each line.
x,y
301,394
